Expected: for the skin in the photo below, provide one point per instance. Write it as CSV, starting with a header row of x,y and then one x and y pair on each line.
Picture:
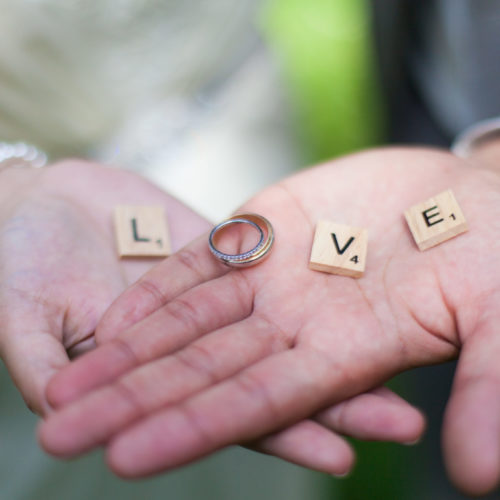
x,y
59,272
264,347
487,154
58,264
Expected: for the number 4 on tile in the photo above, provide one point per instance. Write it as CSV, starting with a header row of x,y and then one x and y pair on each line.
x,y
339,249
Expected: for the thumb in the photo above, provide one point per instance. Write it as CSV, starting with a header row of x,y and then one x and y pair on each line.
x,y
471,427
31,351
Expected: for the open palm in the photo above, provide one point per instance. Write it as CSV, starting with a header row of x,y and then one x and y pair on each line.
x,y
232,355
59,272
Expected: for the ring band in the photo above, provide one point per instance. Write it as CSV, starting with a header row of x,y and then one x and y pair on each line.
x,y
252,256
226,257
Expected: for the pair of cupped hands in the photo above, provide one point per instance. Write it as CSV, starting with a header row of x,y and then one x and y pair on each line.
x,y
188,356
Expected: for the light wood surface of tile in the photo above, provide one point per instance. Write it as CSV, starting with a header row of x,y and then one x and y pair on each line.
x,y
339,249
141,231
436,220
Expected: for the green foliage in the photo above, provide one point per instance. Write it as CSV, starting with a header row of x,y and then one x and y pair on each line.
x,y
326,54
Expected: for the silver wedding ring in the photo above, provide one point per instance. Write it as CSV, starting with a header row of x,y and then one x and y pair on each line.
x,y
251,257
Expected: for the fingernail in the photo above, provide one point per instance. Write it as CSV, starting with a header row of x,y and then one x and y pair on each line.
x,y
342,475
412,443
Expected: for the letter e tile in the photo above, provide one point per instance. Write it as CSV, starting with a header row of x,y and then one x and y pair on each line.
x,y
339,249
435,220
141,231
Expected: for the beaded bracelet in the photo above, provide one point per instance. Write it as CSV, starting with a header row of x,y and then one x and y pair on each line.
x,y
20,154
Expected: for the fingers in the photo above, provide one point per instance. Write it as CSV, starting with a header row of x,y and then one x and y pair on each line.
x,y
185,269
269,395
471,428
378,415
203,309
31,353
156,385
310,445
254,402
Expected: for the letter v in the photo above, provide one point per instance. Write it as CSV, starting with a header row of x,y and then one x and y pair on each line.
x,y
340,251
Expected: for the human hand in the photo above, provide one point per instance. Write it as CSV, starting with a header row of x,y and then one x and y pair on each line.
x,y
259,357
58,266
60,272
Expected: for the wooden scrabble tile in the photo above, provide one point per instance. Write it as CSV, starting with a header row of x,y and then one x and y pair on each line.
x,y
435,220
339,249
141,231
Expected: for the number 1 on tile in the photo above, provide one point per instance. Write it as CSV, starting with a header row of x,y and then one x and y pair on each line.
x,y
435,220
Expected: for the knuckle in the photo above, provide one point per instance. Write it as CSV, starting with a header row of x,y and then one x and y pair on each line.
x,y
126,351
242,293
190,260
184,312
334,417
128,393
153,291
256,390
199,425
200,361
